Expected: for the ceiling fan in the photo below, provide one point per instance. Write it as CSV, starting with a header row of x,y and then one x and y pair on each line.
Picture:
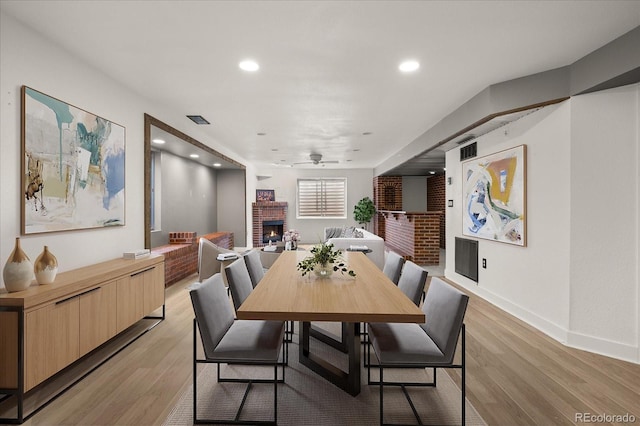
x,y
317,159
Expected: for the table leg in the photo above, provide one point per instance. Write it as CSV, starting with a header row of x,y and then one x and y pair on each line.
x,y
349,381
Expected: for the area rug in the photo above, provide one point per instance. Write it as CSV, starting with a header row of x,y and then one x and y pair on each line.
x,y
307,399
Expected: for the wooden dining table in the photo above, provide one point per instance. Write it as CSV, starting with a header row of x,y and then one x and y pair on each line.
x,y
284,294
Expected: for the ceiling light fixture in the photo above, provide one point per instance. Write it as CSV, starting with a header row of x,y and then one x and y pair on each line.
x,y
158,141
366,133
409,66
217,165
194,156
261,134
249,65
432,172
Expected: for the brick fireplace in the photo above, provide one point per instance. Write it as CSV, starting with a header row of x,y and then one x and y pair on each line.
x,y
264,214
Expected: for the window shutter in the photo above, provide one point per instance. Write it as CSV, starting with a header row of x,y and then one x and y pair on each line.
x,y
322,197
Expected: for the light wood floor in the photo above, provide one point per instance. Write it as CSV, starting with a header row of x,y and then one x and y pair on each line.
x,y
515,375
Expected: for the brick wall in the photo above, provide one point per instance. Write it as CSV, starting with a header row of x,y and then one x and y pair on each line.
x,y
387,195
181,254
266,210
416,236
436,195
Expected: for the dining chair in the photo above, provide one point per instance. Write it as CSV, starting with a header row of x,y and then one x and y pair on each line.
x,y
226,340
428,345
254,266
256,272
240,285
393,266
412,281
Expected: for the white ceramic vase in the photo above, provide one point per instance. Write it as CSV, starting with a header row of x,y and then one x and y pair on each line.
x,y
46,267
18,271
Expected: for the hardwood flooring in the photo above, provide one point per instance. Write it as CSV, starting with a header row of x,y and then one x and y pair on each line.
x,y
516,375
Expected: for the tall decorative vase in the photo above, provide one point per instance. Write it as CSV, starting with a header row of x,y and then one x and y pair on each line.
x,y
18,271
46,267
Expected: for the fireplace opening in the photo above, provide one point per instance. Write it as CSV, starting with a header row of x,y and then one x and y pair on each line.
x,y
272,230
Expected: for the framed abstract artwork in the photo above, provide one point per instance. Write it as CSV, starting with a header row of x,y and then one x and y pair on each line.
x,y
265,195
73,167
494,191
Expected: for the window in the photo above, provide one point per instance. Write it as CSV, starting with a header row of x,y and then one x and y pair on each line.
x,y
322,198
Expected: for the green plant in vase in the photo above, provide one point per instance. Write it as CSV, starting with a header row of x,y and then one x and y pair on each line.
x,y
323,261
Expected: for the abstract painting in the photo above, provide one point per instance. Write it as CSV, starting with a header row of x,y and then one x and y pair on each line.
x,y
494,204
73,167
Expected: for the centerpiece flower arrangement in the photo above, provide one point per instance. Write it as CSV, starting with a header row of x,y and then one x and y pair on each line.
x,y
290,239
323,261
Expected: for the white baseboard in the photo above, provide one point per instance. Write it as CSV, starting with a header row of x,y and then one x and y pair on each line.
x,y
566,337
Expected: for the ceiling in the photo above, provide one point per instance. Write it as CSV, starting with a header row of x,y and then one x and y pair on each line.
x,y
328,81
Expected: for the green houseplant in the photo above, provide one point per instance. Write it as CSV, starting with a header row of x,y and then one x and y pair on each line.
x,y
323,261
363,211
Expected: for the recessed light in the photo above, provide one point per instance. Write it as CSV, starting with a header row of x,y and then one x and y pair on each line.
x,y
249,65
348,161
432,172
194,156
261,134
409,66
217,165
198,119
366,133
356,150
158,141
274,149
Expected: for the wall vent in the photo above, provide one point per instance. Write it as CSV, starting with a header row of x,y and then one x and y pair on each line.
x,y
469,151
467,258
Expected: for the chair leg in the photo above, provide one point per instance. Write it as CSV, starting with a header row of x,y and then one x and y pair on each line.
x,y
381,397
195,374
463,380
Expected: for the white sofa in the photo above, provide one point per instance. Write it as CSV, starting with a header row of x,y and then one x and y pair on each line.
x,y
372,241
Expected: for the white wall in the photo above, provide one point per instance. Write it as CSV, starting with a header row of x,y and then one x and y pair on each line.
x,y
604,220
283,181
577,279
28,59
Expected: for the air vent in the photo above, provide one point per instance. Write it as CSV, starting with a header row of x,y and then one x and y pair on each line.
x,y
198,119
469,151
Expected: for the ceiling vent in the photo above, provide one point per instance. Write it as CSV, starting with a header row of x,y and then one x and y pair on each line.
x,y
198,119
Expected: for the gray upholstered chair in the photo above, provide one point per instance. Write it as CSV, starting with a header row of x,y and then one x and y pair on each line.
x,y
393,266
256,272
429,345
239,282
208,264
254,266
412,281
225,340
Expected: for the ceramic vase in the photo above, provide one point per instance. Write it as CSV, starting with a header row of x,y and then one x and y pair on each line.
x,y
18,271
45,267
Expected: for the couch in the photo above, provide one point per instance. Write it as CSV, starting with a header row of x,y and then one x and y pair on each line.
x,y
343,238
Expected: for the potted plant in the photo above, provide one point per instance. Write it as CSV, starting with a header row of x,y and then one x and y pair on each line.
x,y
324,260
363,211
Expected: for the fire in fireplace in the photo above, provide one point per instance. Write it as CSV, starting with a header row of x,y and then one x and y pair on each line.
x,y
272,230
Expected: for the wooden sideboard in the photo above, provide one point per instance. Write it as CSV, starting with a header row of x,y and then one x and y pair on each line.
x,y
46,328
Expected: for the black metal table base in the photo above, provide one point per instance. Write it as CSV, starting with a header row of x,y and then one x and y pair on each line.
x,y
349,381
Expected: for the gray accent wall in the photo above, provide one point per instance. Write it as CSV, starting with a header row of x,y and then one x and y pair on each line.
x,y
231,212
188,198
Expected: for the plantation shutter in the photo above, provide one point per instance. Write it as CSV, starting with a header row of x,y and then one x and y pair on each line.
x,y
322,198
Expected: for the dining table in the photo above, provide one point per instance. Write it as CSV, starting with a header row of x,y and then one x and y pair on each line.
x,y
284,294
